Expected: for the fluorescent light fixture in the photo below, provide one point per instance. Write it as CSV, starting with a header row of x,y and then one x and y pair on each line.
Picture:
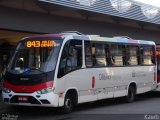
x,y
149,12
86,2
121,5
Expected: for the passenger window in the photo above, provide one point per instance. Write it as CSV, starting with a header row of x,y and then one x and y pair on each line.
x,y
71,58
147,55
95,55
116,55
132,55
100,57
88,55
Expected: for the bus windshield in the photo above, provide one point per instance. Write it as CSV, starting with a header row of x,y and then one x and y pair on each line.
x,y
35,56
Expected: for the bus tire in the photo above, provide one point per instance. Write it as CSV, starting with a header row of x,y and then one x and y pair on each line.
x,y
68,104
131,94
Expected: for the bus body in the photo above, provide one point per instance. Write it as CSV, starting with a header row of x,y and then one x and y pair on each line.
x,y
158,66
62,70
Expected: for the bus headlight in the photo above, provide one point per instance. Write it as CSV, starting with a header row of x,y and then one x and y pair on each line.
x,y
45,90
6,90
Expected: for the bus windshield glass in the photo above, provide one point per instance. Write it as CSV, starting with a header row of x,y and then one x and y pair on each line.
x,y
35,56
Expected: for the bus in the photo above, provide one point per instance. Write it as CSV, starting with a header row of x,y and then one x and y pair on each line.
x,y
65,69
158,65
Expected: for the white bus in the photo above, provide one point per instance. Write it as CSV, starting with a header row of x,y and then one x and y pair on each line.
x,y
62,70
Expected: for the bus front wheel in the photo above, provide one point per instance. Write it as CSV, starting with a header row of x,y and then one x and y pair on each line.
x,y
68,104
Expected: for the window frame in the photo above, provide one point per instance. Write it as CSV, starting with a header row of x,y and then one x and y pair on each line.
x,y
153,57
123,54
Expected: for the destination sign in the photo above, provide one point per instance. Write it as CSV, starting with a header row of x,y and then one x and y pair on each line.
x,y
40,43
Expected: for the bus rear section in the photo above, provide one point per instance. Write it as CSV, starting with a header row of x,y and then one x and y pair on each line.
x,y
158,66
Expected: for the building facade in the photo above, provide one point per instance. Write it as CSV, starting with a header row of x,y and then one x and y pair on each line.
x,y
21,18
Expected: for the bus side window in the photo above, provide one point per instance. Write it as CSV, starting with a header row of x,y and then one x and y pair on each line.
x,y
88,54
63,61
74,55
132,55
71,58
100,57
116,55
148,57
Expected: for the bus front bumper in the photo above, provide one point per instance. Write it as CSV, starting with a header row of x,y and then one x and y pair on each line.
x,y
31,99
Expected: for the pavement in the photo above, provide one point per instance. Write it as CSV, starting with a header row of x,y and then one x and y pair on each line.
x,y
0,98
3,107
1,103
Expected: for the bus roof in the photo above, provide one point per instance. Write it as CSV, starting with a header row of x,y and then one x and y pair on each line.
x,y
113,39
122,40
77,35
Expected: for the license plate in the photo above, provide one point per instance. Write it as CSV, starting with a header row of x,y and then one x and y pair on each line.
x,y
23,99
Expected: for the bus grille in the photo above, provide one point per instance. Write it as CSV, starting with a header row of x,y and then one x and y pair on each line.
x,y
31,100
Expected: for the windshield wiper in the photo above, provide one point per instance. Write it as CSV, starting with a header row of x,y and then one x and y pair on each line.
x,y
37,70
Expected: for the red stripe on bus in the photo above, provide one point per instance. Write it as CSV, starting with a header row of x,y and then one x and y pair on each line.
x,y
27,88
93,82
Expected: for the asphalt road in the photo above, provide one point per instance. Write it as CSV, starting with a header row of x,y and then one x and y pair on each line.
x,y
146,107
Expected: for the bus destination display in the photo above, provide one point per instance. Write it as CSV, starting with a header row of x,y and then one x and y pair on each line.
x,y
40,43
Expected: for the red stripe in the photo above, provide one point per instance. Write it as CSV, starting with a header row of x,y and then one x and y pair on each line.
x,y
93,82
27,89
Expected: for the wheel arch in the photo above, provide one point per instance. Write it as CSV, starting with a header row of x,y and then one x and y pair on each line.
x,y
74,93
134,85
